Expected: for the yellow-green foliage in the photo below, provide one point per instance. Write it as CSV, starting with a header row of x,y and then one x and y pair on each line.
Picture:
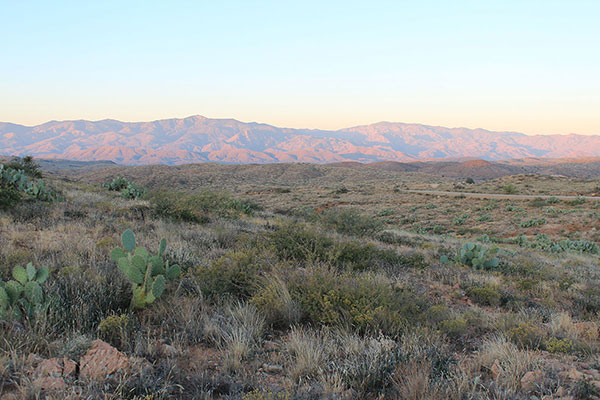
x,y
300,243
274,301
362,301
235,274
486,295
454,327
199,207
114,328
261,394
555,345
526,335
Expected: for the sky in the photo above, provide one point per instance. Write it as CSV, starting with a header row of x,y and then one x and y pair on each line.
x,y
522,65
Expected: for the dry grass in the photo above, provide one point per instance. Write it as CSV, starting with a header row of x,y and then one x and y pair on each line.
x,y
327,334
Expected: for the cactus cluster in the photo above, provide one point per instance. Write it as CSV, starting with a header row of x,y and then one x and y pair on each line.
x,y
23,296
128,189
133,191
117,184
544,243
17,179
147,273
476,256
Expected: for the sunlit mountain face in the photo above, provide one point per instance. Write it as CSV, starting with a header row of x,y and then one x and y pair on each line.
x,y
200,139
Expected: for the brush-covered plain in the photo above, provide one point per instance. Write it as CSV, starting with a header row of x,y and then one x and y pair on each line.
x,y
339,285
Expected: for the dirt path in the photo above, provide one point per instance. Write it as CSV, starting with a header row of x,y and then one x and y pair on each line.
x,y
495,195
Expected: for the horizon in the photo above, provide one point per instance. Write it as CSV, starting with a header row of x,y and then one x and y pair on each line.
x,y
302,128
503,66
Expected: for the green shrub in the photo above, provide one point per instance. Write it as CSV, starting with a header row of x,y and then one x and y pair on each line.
x,y
128,189
9,197
510,189
484,218
114,329
454,327
461,219
577,201
555,345
526,335
350,222
296,242
362,302
486,295
533,222
199,207
235,274
147,273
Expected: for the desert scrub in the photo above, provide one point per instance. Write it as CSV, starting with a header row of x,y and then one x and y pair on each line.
x,y
296,242
350,222
236,274
115,329
239,333
533,222
200,207
556,345
81,299
526,335
147,273
364,302
485,296
274,301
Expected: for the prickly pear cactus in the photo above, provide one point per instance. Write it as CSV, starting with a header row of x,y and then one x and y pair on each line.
x,y
23,296
476,256
16,179
147,273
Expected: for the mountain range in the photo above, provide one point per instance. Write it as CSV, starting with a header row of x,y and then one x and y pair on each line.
x,y
199,139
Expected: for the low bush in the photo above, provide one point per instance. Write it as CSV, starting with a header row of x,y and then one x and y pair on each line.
x,y
298,243
485,296
350,222
236,274
199,208
364,302
555,345
526,335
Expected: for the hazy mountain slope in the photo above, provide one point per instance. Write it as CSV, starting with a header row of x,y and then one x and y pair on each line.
x,y
199,139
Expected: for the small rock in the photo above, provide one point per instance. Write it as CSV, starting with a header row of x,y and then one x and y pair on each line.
x,y
272,368
167,350
48,383
33,360
269,345
592,373
530,380
561,391
50,373
101,361
572,374
496,369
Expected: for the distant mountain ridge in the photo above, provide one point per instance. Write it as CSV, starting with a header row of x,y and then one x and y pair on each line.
x,y
200,139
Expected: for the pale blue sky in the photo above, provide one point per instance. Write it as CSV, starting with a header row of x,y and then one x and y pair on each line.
x,y
531,66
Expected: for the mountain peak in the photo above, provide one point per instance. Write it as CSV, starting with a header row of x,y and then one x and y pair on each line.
x,y
200,139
